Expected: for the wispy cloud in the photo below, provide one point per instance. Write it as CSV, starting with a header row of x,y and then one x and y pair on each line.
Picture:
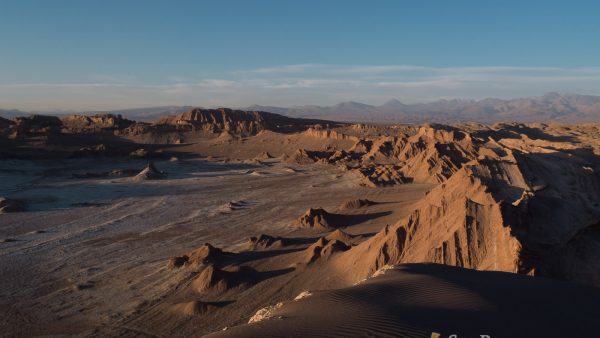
x,y
306,84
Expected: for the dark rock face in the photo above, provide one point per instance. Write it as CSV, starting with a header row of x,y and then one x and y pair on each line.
x,y
234,121
37,125
95,123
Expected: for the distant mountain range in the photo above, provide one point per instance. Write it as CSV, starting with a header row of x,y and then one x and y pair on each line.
x,y
148,114
549,107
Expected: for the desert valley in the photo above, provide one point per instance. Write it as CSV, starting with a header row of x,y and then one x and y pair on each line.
x,y
232,223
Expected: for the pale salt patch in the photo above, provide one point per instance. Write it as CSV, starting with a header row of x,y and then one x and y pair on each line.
x,y
382,270
303,294
264,313
360,281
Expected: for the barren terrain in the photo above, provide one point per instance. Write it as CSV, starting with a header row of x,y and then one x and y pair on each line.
x,y
219,219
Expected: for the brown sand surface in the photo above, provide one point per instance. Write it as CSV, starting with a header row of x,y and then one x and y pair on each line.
x,y
90,254
416,300
215,218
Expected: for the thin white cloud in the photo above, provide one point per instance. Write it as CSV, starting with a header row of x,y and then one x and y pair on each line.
x,y
386,69
306,84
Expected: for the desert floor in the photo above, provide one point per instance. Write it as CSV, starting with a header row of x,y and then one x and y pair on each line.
x,y
91,253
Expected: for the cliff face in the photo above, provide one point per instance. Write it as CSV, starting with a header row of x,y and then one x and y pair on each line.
x,y
36,125
44,125
234,121
515,207
95,123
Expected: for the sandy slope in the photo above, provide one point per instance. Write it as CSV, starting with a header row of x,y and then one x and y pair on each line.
x,y
415,300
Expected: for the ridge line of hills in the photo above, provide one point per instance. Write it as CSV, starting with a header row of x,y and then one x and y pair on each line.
x,y
572,108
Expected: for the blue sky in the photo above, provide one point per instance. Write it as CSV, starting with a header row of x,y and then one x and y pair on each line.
x,y
103,54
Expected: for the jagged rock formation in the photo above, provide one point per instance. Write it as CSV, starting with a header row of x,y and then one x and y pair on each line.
x,y
95,123
321,132
520,207
213,278
381,175
149,173
362,146
137,129
206,254
431,154
319,219
35,125
323,249
301,156
236,122
263,241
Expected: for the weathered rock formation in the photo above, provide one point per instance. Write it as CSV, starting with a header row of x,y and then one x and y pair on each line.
x,y
320,219
150,173
237,122
95,123
530,211
206,254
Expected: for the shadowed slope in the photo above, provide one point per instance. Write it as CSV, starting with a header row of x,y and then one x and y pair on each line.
x,y
418,299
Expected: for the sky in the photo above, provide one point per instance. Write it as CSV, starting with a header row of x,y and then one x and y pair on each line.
x,y
115,54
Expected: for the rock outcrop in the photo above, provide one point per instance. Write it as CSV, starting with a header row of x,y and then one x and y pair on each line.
x,y
522,212
36,125
206,254
236,122
95,123
149,173
320,219
323,249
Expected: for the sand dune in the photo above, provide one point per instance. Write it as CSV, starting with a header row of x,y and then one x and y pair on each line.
x,y
418,300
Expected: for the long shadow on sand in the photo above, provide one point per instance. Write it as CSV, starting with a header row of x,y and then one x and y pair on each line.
x,y
470,303
414,300
350,220
249,256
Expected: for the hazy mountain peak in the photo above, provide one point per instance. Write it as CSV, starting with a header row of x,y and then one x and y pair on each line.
x,y
352,104
393,103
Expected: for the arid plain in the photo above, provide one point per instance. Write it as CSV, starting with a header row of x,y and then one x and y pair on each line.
x,y
241,223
